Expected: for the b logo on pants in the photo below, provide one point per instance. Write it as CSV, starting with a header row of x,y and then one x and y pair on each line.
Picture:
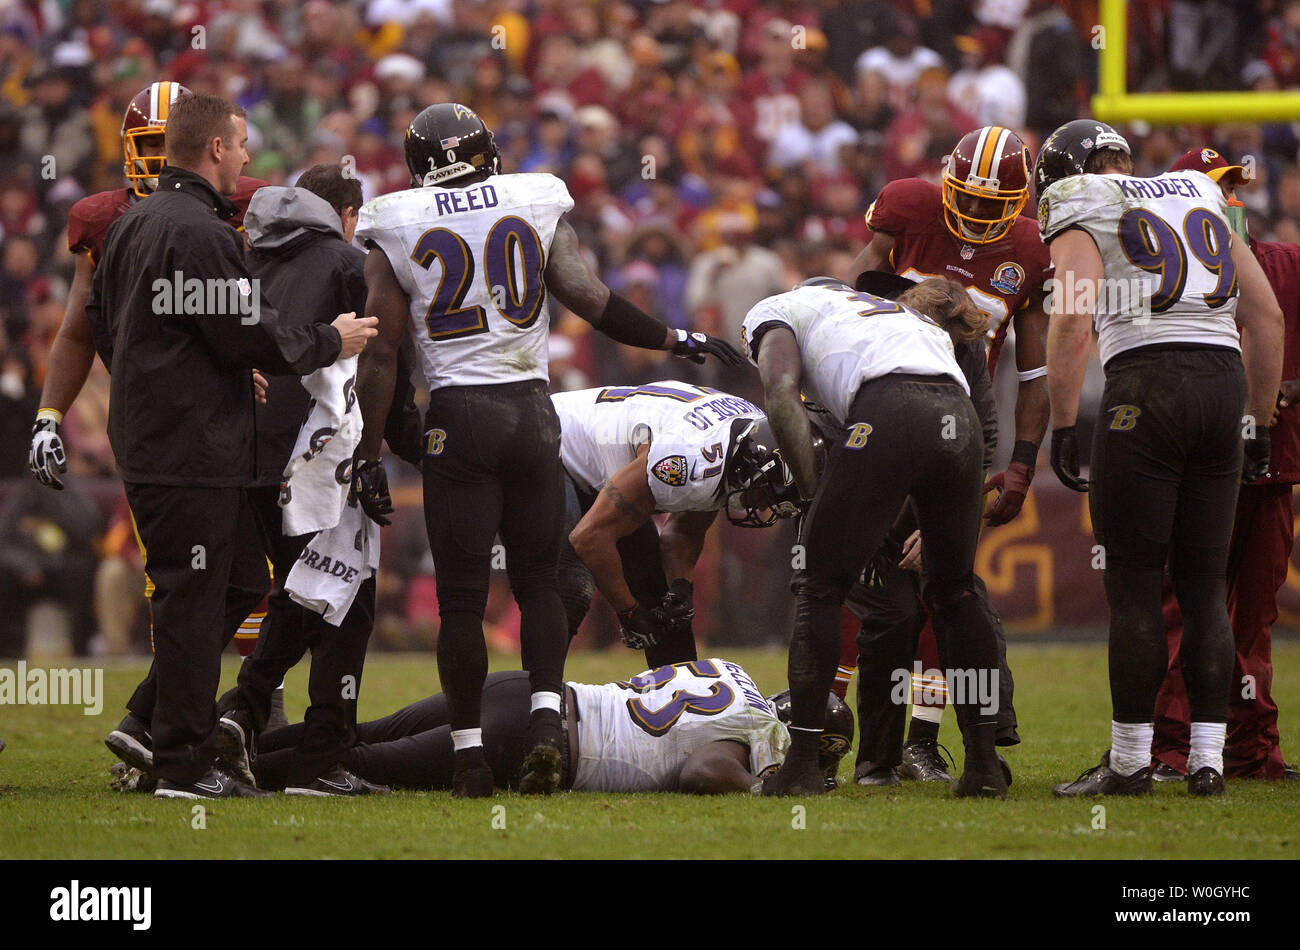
x,y
858,433
1125,418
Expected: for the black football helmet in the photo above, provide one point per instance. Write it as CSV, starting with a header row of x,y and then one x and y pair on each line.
x,y
759,488
837,731
1067,150
449,142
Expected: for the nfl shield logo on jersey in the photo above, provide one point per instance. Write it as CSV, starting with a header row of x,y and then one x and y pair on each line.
x,y
671,470
1008,277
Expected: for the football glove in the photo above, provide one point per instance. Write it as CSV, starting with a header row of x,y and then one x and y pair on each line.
x,y
693,346
1065,458
1258,454
370,485
1012,484
883,562
47,458
641,627
678,605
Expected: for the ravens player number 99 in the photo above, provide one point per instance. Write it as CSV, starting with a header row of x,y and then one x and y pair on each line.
x,y
1168,286
463,262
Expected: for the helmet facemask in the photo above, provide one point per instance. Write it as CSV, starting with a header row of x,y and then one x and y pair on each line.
x,y
142,170
760,490
983,227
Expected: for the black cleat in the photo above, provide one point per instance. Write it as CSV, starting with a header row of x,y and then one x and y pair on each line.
x,y
1006,769
923,762
1167,773
1290,772
795,778
472,777
131,743
981,778
235,746
338,781
1205,783
543,766
882,776
218,783
1102,780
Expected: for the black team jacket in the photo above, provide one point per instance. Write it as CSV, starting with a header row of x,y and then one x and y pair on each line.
x,y
312,274
180,322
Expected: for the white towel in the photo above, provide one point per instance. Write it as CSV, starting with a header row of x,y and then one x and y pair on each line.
x,y
333,565
319,475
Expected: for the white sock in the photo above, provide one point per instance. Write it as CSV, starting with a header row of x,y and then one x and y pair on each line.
x,y
1207,746
466,738
546,701
927,713
1130,746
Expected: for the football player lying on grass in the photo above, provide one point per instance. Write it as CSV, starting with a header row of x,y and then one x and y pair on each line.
x,y
700,727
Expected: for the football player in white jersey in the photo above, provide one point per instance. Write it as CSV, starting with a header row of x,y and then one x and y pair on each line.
x,y
632,451
886,371
700,727
1152,265
463,262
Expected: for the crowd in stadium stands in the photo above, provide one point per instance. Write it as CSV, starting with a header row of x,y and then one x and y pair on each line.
x,y
717,151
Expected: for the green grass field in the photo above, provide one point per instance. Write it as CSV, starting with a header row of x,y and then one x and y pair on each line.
x,y
55,801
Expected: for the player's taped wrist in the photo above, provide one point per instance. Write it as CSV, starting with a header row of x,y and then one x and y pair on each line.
x,y
1026,453
624,322
46,414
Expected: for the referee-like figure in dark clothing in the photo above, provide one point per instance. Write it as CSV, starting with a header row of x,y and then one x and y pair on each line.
x,y
180,323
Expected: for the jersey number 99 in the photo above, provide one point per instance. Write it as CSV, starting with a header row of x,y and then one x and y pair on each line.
x,y
1150,243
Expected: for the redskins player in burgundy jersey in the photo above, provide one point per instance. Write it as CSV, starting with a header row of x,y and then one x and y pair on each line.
x,y
968,230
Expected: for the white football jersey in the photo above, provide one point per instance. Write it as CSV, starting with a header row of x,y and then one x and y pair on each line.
x,y
846,338
636,736
688,428
471,260
1165,245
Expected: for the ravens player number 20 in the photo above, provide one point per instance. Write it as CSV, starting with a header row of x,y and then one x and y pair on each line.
x,y
463,262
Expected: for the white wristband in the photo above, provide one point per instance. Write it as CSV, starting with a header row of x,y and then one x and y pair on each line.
x,y
1029,374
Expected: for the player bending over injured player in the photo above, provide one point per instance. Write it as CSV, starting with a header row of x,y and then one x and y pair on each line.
x,y
700,727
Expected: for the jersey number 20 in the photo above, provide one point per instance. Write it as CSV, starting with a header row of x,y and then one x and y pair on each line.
x,y
517,294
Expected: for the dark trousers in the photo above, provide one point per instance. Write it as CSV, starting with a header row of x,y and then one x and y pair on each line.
x,y
412,748
1166,468
907,435
338,654
248,583
493,467
643,569
190,537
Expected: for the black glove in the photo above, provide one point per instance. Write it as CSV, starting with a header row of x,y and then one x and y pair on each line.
x,y
47,458
1065,459
884,561
641,627
693,346
678,605
1258,452
370,485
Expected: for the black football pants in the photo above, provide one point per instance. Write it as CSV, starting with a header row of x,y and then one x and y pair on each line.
x,y
906,435
1166,469
643,569
412,748
492,467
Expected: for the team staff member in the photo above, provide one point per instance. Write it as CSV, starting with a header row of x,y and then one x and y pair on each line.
x,y
181,414
888,374
632,451
463,263
144,153
1260,551
300,248
1169,278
